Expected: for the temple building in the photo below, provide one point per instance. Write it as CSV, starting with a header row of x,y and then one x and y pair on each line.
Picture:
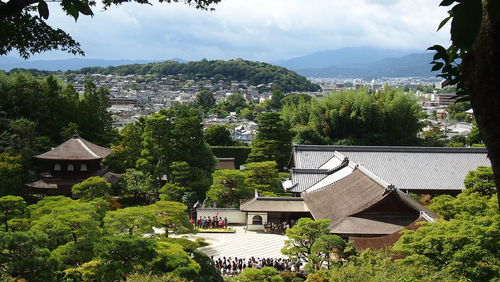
x,y
363,191
71,162
418,170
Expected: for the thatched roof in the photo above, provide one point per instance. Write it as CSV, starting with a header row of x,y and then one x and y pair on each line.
x,y
375,224
274,204
76,149
386,241
361,203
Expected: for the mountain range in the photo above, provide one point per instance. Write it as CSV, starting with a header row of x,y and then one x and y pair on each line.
x,y
341,57
365,62
405,66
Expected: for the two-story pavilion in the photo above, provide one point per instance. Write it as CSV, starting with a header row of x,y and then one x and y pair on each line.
x,y
71,162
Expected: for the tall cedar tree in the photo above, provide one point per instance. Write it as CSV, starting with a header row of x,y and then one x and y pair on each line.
x,y
175,135
273,141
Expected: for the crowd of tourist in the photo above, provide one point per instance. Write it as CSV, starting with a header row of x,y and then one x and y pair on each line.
x,y
276,227
211,222
234,266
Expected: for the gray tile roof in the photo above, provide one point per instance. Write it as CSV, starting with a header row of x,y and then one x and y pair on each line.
x,y
305,178
407,168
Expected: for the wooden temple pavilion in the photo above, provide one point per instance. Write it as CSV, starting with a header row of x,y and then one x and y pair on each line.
x,y
71,162
366,209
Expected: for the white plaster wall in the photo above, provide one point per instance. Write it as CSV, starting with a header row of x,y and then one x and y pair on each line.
x,y
250,219
234,216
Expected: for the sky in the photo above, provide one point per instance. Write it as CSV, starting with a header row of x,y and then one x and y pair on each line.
x,y
264,30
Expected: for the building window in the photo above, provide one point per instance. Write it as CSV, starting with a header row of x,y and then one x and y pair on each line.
x,y
57,167
257,220
71,167
83,167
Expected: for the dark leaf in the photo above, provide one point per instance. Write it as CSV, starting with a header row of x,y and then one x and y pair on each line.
x,y
437,66
466,22
83,7
70,8
446,2
43,9
440,52
445,83
443,22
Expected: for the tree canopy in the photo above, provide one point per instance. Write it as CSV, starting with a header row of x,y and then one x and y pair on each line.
x,y
273,141
302,237
228,188
91,188
356,117
172,136
218,135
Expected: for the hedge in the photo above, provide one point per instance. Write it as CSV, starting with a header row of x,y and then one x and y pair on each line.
x,y
239,153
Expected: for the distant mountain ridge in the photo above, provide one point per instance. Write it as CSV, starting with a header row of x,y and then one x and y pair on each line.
x,y
405,66
341,57
364,62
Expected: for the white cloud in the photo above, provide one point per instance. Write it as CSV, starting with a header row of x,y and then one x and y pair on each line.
x,y
256,29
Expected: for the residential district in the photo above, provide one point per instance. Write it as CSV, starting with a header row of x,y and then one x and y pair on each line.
x,y
133,96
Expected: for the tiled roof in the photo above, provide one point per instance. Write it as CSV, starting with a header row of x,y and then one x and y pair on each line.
x,y
330,179
305,178
76,148
274,204
409,168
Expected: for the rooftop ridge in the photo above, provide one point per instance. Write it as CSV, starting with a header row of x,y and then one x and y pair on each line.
x,y
345,162
375,178
312,170
279,199
349,164
407,149
86,147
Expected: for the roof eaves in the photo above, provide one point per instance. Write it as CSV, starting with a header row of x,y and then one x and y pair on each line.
x,y
426,216
291,188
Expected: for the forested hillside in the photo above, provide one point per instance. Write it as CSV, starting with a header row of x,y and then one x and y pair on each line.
x,y
254,72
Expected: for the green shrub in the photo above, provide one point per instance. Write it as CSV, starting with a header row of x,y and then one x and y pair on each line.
x,y
239,153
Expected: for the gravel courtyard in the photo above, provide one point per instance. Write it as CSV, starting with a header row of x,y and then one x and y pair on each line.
x,y
242,244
